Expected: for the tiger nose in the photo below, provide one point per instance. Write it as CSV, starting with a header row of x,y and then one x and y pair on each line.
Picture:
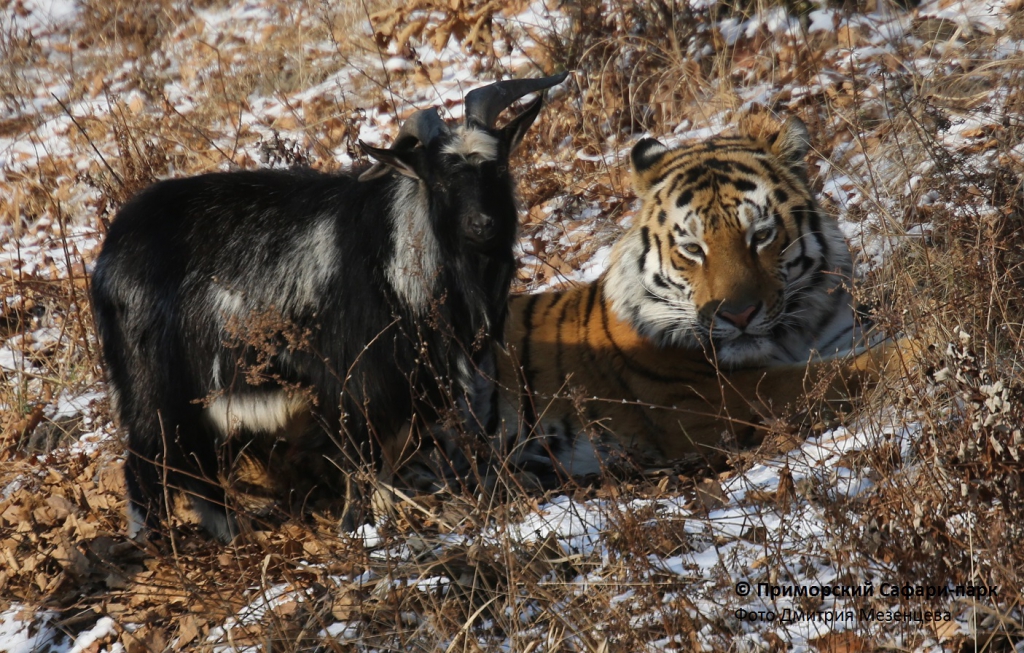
x,y
740,319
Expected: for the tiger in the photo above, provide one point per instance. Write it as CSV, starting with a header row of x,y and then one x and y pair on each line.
x,y
724,300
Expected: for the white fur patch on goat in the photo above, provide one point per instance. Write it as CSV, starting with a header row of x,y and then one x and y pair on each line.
x,y
413,268
267,412
226,303
473,143
307,268
297,281
215,520
136,520
215,378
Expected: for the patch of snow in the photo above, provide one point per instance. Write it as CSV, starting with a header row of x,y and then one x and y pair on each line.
x,y
369,535
821,20
26,631
104,628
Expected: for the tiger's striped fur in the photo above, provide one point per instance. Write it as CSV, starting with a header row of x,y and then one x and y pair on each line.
x,y
720,305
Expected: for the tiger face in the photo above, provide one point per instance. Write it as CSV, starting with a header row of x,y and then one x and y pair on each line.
x,y
730,252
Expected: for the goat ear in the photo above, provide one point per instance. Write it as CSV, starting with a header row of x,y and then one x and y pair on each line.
x,y
409,161
646,158
516,129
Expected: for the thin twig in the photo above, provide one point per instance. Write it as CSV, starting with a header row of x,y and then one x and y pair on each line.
x,y
88,139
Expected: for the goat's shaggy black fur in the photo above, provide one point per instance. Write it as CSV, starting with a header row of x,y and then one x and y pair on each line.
x,y
229,303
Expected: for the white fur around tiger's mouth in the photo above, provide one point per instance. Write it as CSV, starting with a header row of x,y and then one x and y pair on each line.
x,y
725,332
744,350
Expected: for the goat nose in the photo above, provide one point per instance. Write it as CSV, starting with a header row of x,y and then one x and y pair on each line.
x,y
741,319
482,226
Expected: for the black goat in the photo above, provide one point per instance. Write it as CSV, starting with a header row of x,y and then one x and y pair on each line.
x,y
229,305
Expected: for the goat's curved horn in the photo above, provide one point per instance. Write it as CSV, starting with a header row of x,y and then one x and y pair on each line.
x,y
421,127
484,104
424,126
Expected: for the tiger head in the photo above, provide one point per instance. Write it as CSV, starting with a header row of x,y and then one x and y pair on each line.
x,y
729,251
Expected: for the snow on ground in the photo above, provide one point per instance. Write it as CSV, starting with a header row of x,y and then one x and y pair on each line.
x,y
726,572
736,544
25,631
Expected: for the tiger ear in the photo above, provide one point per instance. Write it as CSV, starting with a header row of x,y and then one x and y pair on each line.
x,y
789,141
791,145
646,156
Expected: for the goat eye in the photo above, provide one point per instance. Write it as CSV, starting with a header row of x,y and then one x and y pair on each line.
x,y
693,249
763,236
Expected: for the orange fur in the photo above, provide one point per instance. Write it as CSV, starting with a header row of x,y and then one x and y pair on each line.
x,y
586,367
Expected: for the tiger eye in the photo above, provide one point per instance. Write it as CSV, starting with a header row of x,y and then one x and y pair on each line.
x,y
762,236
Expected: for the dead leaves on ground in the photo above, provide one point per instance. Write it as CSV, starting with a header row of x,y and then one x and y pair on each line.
x,y
59,533
470,22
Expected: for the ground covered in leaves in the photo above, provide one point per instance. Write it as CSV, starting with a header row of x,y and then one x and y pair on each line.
x,y
917,116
